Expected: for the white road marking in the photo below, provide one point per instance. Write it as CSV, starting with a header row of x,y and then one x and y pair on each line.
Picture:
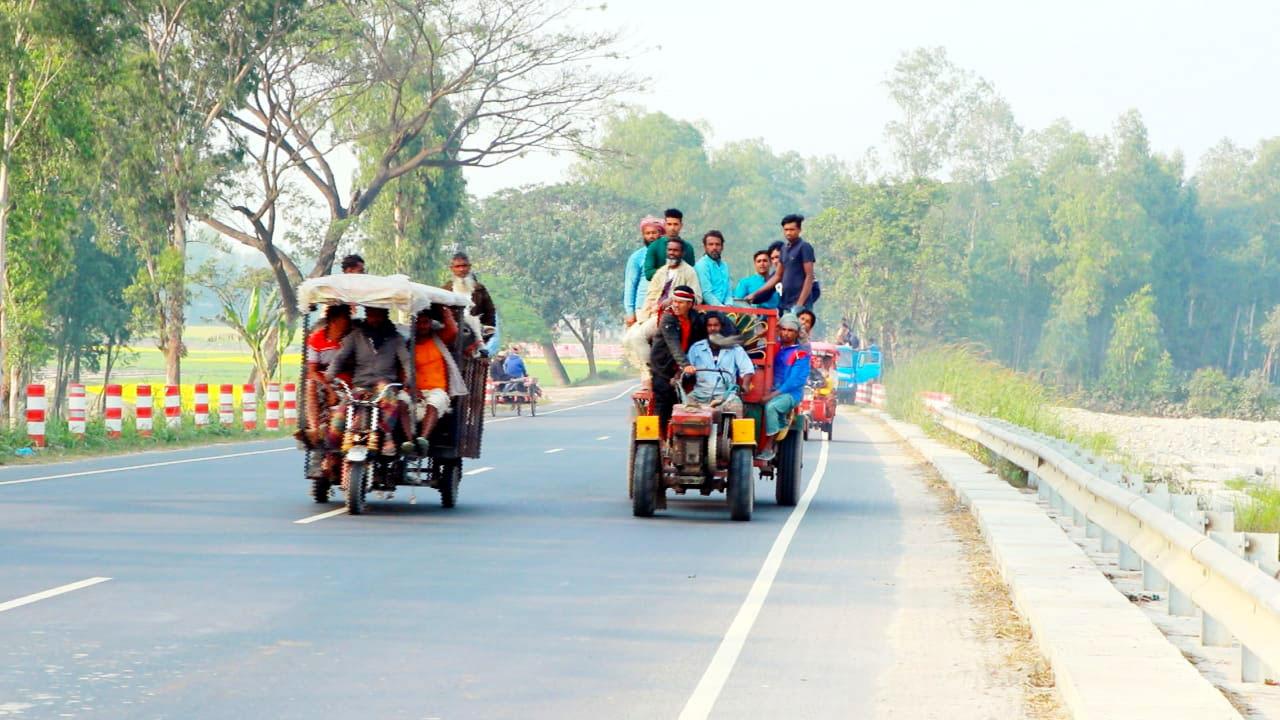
x,y
46,594
321,516
603,437
478,470
708,690
553,450
104,471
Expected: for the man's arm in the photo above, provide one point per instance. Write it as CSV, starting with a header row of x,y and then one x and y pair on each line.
x,y
768,286
345,356
488,311
671,336
449,332
655,257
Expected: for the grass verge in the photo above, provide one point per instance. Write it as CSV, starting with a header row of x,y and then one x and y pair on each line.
x,y
62,445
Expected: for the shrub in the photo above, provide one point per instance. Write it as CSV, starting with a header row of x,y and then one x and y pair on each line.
x,y
1210,393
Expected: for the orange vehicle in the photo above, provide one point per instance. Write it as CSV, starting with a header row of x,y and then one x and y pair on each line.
x,y
819,404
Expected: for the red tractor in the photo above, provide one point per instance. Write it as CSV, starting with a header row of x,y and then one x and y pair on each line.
x,y
708,450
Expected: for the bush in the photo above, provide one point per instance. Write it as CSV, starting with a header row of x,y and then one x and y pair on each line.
x,y
1210,393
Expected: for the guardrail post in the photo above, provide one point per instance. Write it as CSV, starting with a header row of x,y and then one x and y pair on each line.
x,y
1033,481
1252,669
1110,543
1092,530
1043,491
1152,579
1077,516
1129,560
1212,632
1180,604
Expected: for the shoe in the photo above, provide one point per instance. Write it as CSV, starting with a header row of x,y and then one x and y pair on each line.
x,y
766,456
423,446
408,449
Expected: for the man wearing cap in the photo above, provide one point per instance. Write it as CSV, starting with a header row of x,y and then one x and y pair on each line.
x,y
633,283
790,373
676,273
681,327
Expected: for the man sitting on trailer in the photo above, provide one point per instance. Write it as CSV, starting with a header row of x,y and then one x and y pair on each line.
x,y
376,356
436,373
681,328
720,362
790,373
322,346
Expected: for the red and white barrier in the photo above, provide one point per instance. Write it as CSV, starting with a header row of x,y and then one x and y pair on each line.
x,y
113,410
863,394
142,408
76,406
935,400
273,406
36,406
290,404
249,407
226,405
877,395
200,400
172,406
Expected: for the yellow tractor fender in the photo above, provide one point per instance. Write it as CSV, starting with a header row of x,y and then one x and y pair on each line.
x,y
647,428
743,432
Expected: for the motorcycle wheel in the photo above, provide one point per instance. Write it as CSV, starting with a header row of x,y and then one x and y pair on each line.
x,y
353,473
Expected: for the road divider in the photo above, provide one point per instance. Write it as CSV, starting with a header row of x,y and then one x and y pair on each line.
x,y
52,592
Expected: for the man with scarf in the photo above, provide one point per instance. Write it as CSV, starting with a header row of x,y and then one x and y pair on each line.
x,y
681,327
436,375
376,355
483,312
721,363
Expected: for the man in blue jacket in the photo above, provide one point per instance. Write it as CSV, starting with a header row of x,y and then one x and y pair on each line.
x,y
790,373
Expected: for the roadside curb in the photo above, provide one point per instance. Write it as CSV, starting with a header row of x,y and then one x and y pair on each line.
x,y
1109,661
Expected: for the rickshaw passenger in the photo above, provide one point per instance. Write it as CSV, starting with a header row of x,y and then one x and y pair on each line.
x,y
681,327
516,372
321,347
436,373
790,372
722,351
376,355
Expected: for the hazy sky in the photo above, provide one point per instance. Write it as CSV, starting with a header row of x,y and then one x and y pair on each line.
x,y
807,75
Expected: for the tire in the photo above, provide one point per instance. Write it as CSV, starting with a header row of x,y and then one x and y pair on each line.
x,y
806,432
519,406
741,490
631,464
787,478
450,480
320,489
354,474
644,479
831,428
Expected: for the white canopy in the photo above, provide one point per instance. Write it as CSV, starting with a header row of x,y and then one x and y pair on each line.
x,y
393,292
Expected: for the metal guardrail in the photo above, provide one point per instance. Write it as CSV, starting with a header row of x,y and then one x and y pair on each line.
x,y
1189,552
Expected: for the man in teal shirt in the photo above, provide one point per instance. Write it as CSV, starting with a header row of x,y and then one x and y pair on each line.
x,y
657,254
713,272
748,285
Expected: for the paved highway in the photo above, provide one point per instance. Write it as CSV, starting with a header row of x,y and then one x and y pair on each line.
x,y
539,596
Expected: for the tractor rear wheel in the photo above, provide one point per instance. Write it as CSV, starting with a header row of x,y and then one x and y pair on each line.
x,y
789,461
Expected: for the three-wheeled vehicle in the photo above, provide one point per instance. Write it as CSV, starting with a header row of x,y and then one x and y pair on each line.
x,y
707,450
819,404
518,393
356,464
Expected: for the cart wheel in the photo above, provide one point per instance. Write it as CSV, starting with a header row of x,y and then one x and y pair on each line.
x,y
519,406
741,491
353,473
789,461
449,479
645,480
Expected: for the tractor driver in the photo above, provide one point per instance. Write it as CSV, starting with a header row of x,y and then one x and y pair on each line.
x,y
680,328
721,362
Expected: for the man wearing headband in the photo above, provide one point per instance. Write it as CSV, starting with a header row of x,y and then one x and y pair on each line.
x,y
790,373
721,363
676,273
657,255
682,326
633,282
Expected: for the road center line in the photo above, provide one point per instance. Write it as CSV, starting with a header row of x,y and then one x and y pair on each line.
x,y
603,437
54,592
478,470
104,471
708,690
321,516
553,450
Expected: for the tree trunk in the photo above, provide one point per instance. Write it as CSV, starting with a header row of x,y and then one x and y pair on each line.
x,y
1231,347
1248,340
176,296
6,160
553,362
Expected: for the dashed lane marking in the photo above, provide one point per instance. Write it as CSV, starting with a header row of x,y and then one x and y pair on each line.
x,y
478,470
321,516
52,592
553,450
603,437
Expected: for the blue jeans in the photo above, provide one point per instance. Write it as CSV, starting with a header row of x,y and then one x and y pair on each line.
x,y
776,411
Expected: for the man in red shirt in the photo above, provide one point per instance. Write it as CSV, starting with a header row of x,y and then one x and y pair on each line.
x,y
680,328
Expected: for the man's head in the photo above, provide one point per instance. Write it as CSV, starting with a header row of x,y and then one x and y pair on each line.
x,y
422,327
682,300
775,252
353,264
461,265
713,244
651,228
338,317
791,226
376,317
789,329
714,327
674,220
761,260
808,320
515,349
675,252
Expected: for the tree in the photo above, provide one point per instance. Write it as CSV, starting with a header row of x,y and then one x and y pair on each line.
x,y
554,244
1134,352
416,85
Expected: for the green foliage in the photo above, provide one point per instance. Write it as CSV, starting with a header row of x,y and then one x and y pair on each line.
x,y
1134,355
1210,393
1260,512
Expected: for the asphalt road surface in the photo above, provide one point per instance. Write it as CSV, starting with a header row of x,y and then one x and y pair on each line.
x,y
182,585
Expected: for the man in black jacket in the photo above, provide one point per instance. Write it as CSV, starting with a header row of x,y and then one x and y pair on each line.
x,y
679,328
